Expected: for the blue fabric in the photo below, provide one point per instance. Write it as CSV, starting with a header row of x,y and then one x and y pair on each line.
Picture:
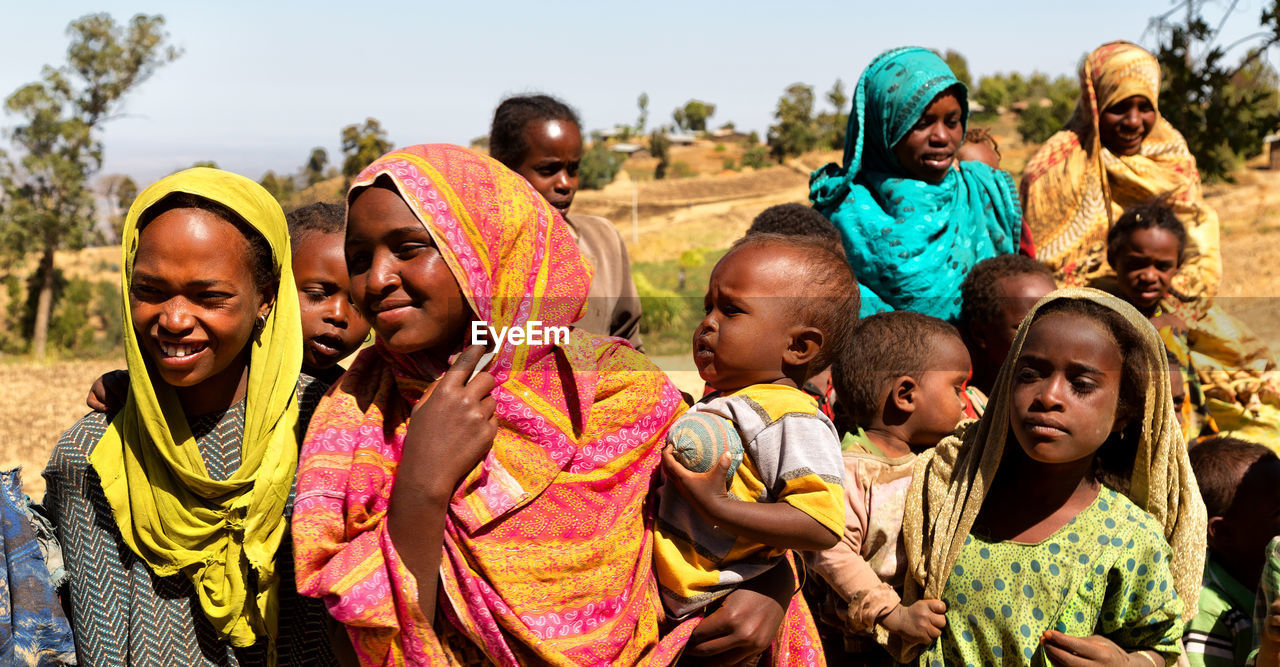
x,y
33,628
910,242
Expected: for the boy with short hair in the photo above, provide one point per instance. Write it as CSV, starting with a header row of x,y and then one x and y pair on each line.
x,y
1240,484
777,307
994,297
794,219
901,378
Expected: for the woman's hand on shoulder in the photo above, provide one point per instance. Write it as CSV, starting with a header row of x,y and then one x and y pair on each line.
x,y
451,431
1069,651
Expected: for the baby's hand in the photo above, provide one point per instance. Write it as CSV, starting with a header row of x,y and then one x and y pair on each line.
x,y
109,392
704,491
919,623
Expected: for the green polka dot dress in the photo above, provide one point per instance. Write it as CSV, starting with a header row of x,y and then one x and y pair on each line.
x,y
1105,572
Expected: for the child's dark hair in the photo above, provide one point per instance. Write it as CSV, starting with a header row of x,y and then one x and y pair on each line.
x,y
794,220
1154,213
830,302
1220,463
1113,463
880,348
319,218
979,300
980,135
262,259
506,136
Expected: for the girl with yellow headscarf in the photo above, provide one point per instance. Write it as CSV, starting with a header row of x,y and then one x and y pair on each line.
x,y
1066,520
173,512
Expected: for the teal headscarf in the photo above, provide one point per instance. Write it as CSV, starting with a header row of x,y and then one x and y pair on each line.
x,y
911,243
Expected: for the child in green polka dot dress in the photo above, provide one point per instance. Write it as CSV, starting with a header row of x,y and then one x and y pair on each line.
x,y
1038,525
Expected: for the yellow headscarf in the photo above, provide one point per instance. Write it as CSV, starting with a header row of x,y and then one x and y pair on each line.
x,y
1074,188
170,512
952,480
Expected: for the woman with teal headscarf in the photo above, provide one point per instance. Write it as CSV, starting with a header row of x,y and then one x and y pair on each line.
x,y
913,220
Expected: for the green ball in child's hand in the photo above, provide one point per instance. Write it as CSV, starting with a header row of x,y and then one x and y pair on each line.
x,y
699,438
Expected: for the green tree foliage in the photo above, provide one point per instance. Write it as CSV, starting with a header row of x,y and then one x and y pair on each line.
x,y
643,103
755,156
1003,90
281,187
992,92
794,133
598,167
314,170
45,185
689,259
693,115
660,308
958,64
1049,102
362,145
86,321
832,124
1224,108
1039,122
205,163
660,147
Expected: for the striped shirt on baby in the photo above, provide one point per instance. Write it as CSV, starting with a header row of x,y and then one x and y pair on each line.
x,y
791,454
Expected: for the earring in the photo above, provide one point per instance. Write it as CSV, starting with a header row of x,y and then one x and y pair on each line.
x,y
260,324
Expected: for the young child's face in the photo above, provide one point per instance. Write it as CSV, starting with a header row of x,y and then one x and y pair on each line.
x,y
1066,388
749,317
551,163
978,151
331,327
1015,296
399,280
1145,265
941,389
1253,519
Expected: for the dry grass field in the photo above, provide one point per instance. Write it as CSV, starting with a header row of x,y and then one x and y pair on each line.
x,y
704,212
39,402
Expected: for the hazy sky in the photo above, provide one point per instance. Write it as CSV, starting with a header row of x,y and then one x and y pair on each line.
x,y
258,87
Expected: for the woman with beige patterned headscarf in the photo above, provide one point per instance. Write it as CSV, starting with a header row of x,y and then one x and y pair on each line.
x,y
1116,151
1122,572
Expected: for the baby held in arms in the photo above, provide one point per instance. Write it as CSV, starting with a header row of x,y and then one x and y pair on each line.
x,y
901,380
754,468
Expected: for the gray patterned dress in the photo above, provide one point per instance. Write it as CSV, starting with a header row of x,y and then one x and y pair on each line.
x,y
121,612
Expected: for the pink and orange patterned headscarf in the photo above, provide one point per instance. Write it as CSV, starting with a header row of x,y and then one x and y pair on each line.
x,y
1073,188
547,549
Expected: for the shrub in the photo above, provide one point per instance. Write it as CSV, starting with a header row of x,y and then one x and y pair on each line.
x,y
598,167
681,169
755,157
